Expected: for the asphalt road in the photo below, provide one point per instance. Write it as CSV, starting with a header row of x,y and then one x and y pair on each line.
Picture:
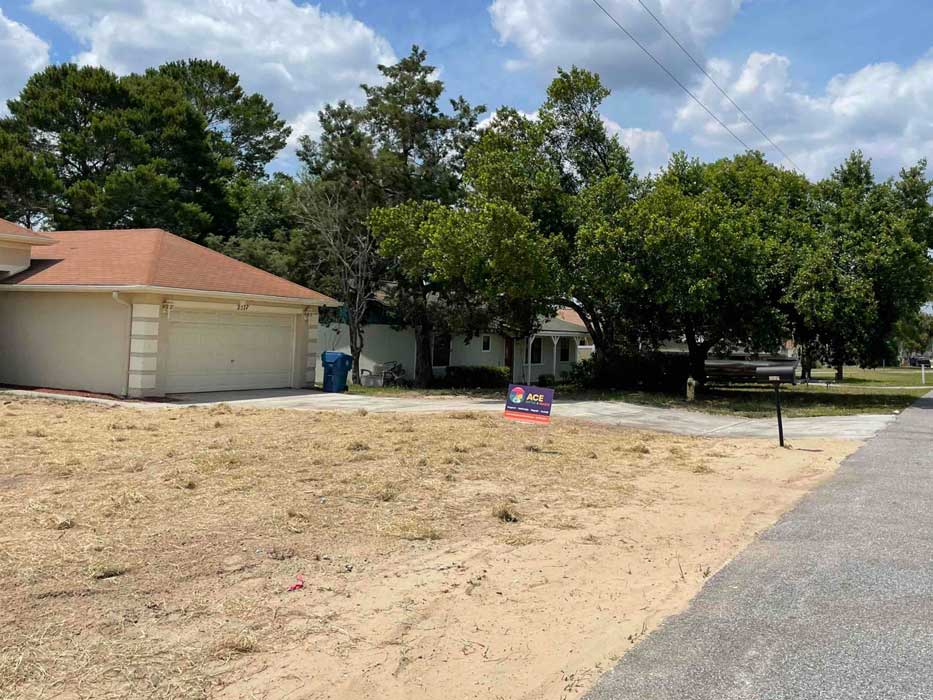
x,y
833,602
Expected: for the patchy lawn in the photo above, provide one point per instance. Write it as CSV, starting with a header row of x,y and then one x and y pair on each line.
x,y
880,377
148,552
801,401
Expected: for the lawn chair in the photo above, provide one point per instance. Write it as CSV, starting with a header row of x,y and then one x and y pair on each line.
x,y
373,377
384,374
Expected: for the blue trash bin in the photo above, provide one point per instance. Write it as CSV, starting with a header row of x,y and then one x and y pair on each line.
x,y
337,366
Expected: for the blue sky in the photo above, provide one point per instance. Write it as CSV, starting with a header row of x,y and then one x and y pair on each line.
x,y
821,78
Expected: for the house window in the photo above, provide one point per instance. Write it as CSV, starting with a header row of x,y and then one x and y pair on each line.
x,y
536,352
487,343
564,346
441,351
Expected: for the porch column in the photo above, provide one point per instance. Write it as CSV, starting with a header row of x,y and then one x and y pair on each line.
x,y
531,341
555,340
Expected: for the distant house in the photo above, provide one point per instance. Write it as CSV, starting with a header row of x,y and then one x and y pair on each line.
x,y
146,313
560,342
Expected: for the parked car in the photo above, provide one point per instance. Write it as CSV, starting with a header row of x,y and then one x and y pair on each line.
x,y
919,362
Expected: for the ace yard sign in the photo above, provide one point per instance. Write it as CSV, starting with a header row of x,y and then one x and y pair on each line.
x,y
530,404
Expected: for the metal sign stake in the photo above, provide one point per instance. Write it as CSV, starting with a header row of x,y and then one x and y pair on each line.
x,y
777,403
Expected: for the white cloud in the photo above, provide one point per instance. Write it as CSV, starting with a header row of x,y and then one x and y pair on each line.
x,y
549,33
490,118
298,56
883,108
22,53
649,149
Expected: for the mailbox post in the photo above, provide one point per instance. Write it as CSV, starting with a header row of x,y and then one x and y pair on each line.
x,y
777,375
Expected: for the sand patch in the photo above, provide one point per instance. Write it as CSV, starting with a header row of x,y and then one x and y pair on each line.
x,y
150,553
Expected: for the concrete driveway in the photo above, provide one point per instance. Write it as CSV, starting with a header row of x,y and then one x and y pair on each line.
x,y
668,420
671,420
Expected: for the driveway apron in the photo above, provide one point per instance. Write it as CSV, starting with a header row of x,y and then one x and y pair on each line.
x,y
834,601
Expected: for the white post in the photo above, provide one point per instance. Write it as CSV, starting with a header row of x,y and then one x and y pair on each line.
x,y
923,374
531,341
555,340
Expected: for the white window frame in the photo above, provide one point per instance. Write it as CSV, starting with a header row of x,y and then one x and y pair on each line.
x,y
486,343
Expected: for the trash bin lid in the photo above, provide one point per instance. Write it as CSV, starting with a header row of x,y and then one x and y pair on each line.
x,y
331,357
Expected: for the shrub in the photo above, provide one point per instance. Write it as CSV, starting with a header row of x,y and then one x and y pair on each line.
x,y
475,378
649,371
546,380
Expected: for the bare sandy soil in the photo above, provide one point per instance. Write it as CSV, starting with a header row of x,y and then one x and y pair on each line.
x,y
149,553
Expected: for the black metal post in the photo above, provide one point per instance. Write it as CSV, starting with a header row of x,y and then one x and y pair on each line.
x,y
777,402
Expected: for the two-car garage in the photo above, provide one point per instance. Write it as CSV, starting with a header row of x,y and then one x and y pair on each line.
x,y
226,351
144,313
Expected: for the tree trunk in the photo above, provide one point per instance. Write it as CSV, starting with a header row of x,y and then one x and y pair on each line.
x,y
806,362
698,354
355,353
424,372
356,348
839,373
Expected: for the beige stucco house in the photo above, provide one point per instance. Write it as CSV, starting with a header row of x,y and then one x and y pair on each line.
x,y
145,313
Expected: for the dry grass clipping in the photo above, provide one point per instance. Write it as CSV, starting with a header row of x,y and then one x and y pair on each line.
x,y
142,552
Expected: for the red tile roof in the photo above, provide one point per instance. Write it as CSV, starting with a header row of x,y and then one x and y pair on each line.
x,y
8,228
149,258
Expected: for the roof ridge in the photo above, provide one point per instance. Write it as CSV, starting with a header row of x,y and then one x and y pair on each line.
x,y
11,228
157,255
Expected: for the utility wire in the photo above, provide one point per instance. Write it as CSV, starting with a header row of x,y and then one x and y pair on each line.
x,y
671,75
718,87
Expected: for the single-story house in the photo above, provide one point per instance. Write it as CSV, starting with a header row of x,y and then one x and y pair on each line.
x,y
560,342
145,313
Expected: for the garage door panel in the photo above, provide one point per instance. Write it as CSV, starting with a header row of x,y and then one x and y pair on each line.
x,y
227,351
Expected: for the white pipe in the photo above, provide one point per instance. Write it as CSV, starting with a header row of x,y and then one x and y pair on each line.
x,y
129,334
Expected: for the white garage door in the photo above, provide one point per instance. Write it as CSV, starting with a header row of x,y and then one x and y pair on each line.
x,y
224,351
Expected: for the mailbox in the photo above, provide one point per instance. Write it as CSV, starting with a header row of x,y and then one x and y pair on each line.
x,y
778,374
785,373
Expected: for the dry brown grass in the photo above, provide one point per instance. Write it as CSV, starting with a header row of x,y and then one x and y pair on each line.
x,y
143,551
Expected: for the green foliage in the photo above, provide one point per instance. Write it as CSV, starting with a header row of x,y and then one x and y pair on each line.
x,y
466,229
576,135
650,371
114,152
84,148
914,334
244,129
489,260
419,148
562,171
864,270
914,192
400,150
476,378
28,184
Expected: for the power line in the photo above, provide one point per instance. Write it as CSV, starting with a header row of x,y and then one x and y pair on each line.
x,y
671,75
718,87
